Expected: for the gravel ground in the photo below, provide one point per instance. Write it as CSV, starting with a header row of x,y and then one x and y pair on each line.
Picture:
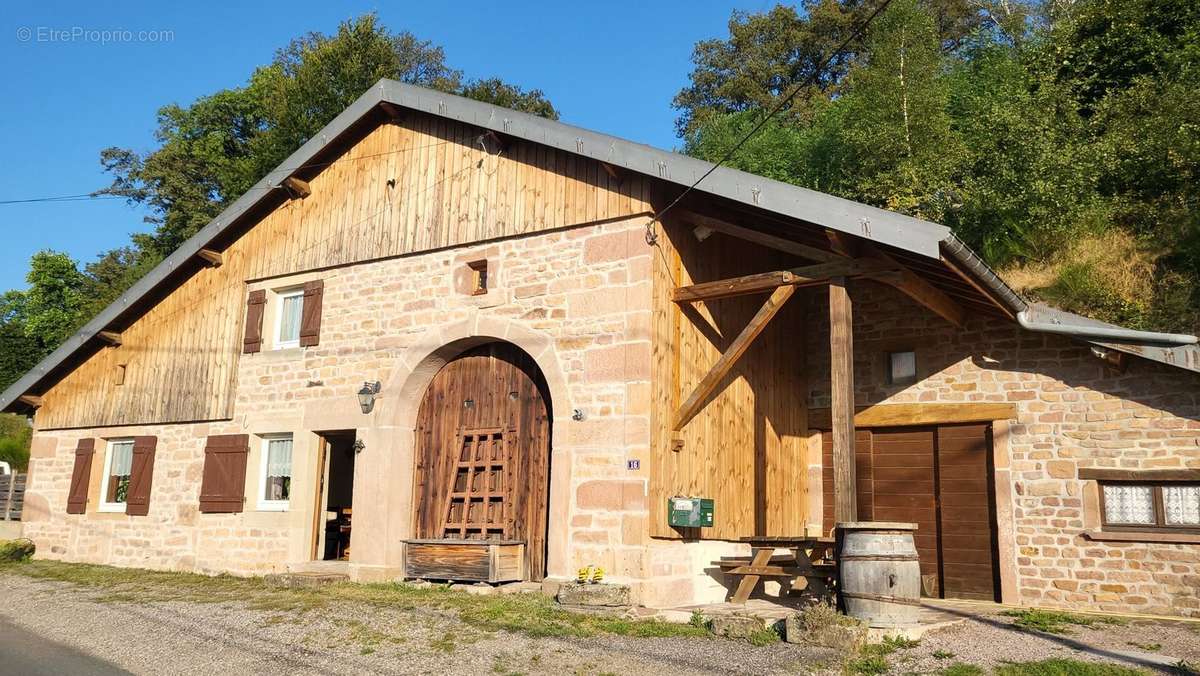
x,y
207,638
991,640
204,638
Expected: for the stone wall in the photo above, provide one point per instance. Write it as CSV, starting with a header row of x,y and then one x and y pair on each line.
x,y
578,300
1074,412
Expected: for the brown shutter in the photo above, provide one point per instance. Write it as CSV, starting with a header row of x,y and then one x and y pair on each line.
x,y
223,487
310,313
255,304
81,476
141,476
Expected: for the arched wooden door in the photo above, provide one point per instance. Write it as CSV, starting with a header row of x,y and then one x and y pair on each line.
x,y
482,460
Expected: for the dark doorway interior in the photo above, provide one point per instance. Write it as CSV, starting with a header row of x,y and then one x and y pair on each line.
x,y
336,499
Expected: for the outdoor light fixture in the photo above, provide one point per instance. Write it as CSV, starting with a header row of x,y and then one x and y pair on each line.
x,y
366,396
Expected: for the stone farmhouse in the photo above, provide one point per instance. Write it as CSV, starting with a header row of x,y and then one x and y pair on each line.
x,y
449,340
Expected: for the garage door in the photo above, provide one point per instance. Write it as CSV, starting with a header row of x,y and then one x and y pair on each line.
x,y
940,479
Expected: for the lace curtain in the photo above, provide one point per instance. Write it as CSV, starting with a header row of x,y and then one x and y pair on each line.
x,y
122,459
1181,505
289,318
279,458
1129,504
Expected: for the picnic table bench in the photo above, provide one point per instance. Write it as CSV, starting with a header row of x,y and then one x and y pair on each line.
x,y
808,557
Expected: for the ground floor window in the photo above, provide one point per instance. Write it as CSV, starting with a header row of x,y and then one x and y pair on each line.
x,y
118,466
1150,505
275,482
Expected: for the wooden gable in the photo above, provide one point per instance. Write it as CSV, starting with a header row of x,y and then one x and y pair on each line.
x,y
416,184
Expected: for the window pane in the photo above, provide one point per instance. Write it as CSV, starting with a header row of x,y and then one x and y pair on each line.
x,y
289,318
903,365
1129,504
118,472
279,469
1181,505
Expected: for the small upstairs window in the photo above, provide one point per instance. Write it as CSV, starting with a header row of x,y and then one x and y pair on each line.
x,y
289,313
118,467
901,367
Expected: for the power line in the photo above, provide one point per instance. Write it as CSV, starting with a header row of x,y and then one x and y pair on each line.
x,y
64,198
651,237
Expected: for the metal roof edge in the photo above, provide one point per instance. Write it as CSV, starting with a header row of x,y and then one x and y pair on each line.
x,y
861,220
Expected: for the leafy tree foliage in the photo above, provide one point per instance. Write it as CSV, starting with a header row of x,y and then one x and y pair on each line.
x,y
1059,139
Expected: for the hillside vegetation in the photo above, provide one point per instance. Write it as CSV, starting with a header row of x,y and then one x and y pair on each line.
x,y
1060,139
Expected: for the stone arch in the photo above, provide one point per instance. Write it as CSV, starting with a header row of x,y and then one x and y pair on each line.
x,y
405,386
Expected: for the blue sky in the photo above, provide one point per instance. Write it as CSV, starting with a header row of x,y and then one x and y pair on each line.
x,y
612,66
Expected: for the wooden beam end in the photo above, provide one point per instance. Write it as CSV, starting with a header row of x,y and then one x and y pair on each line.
x,y
298,188
213,258
30,400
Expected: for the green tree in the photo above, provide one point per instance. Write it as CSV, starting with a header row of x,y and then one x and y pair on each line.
x,y
15,437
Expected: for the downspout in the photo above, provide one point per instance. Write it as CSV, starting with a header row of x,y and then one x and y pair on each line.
x,y
963,255
1114,334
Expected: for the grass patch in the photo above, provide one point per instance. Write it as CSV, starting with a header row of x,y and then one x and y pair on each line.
x,y
763,637
868,665
1065,667
17,550
1056,621
962,669
942,654
1148,647
528,614
872,658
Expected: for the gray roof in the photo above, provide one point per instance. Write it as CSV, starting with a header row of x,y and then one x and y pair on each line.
x,y
913,236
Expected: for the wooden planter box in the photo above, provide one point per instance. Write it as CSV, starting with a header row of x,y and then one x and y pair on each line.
x,y
465,560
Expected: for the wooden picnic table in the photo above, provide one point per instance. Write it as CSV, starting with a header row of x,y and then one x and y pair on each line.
x,y
806,557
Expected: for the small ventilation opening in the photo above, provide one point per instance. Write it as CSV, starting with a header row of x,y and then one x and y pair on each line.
x,y
479,277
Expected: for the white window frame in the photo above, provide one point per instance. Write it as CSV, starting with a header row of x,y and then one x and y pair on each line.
x,y
277,342
105,505
265,505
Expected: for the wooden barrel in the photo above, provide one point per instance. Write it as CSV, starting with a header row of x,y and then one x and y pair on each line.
x,y
880,575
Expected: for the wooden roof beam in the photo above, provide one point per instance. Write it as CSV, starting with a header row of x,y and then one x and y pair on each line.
x,y
708,384
395,113
31,400
811,275
112,338
916,288
615,173
213,258
298,188
812,253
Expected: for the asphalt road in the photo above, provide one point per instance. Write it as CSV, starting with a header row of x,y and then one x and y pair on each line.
x,y
23,653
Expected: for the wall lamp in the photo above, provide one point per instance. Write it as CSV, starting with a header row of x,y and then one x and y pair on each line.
x,y
366,396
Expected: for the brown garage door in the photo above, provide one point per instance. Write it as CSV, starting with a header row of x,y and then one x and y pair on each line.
x,y
938,478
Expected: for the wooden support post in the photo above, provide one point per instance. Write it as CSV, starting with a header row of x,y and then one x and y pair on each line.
x,y
736,349
213,258
841,382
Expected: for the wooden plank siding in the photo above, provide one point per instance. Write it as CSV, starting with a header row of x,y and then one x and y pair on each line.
x,y
746,447
448,190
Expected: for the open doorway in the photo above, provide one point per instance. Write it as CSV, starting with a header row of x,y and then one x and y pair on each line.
x,y
335,497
